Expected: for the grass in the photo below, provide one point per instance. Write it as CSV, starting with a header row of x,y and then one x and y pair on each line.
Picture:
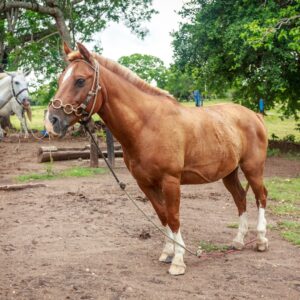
x,y
233,225
284,196
210,247
49,174
284,190
279,127
274,124
37,118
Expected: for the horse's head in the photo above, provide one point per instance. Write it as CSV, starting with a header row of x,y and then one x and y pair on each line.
x,y
19,87
78,95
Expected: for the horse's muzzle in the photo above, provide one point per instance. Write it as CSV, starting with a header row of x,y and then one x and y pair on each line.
x,y
56,125
26,102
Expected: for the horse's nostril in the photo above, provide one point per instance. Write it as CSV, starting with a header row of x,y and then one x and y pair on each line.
x,y
54,120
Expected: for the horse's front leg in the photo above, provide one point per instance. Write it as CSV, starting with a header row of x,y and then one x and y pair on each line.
x,y
154,194
22,120
171,194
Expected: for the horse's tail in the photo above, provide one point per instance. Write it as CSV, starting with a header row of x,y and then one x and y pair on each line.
x,y
29,112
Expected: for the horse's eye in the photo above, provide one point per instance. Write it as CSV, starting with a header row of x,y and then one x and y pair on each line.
x,y
17,82
80,82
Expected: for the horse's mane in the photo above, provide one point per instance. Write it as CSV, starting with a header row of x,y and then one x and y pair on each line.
x,y
124,73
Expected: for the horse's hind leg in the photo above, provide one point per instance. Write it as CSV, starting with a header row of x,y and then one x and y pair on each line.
x,y
254,176
232,183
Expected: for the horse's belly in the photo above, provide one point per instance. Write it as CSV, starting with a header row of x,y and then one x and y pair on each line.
x,y
209,172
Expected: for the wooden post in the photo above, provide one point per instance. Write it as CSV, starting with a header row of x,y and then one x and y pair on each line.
x,y
94,163
110,147
94,153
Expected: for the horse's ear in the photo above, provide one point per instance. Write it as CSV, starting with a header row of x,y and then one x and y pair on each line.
x,y
84,52
27,72
67,49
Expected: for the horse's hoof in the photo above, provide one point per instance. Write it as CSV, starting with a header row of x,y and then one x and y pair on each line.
x,y
262,245
238,245
176,270
165,258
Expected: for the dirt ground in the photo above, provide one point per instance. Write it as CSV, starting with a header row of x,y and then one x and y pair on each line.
x,y
79,238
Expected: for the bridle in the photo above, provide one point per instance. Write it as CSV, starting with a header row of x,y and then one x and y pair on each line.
x,y
16,95
80,111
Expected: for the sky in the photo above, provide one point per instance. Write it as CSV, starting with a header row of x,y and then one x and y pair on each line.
x,y
117,40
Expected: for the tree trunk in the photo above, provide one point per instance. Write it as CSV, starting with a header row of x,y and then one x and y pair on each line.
x,y
62,27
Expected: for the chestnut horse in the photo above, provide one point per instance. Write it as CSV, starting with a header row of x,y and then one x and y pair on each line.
x,y
166,144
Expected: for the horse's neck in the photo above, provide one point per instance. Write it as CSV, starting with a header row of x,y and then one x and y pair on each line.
x,y
5,91
125,108
7,108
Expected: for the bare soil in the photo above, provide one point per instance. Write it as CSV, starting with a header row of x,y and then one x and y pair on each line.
x,y
80,238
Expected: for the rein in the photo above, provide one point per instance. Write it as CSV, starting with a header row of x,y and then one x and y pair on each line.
x,y
80,110
199,251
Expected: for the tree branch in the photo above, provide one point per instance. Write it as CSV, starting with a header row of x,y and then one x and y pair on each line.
x,y
286,21
28,5
53,11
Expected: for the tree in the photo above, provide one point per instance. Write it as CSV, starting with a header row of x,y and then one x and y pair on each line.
x,y
250,46
31,32
181,84
148,67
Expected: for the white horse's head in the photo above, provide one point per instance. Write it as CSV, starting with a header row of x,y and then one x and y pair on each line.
x,y
19,87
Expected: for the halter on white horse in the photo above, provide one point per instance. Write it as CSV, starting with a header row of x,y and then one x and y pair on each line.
x,y
13,84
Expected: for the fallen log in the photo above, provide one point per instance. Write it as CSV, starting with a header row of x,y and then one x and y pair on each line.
x,y
69,155
17,187
55,149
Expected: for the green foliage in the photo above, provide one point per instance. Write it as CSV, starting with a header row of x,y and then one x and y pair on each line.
x,y
181,84
274,137
273,152
289,138
71,172
250,46
35,41
148,67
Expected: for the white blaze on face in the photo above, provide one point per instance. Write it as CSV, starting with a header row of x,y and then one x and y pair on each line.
x,y
48,124
67,74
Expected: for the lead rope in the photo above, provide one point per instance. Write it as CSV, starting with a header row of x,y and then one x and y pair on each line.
x,y
122,185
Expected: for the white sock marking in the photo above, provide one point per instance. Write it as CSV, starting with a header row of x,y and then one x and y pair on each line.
x,y
169,246
261,224
243,228
178,239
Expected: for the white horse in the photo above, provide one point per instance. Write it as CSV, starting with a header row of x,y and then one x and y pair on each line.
x,y
13,85
14,107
